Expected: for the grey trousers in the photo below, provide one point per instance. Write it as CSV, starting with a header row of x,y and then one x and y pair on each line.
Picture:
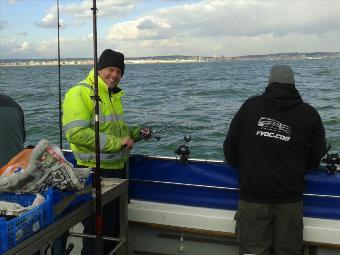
x,y
269,229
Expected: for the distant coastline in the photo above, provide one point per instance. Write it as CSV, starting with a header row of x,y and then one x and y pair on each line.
x,y
172,59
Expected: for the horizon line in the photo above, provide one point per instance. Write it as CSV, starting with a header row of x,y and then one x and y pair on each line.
x,y
181,55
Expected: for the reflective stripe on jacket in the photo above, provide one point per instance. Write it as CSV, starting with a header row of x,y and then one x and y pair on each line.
x,y
79,120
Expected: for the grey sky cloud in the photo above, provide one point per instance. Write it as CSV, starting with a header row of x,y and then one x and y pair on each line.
x,y
240,18
203,27
3,24
147,24
79,12
50,20
22,34
114,9
16,47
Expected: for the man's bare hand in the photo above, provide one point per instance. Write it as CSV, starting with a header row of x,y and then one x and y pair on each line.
x,y
127,143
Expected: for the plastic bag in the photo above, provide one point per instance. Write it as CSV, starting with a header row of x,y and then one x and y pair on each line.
x,y
34,170
15,209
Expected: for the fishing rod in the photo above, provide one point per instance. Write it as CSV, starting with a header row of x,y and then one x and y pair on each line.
x,y
154,133
59,83
174,124
97,173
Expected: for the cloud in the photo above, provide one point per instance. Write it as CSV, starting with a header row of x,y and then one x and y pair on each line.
x,y
80,13
150,27
229,45
15,48
3,24
212,25
147,24
24,46
47,48
106,8
22,34
50,20
232,18
205,28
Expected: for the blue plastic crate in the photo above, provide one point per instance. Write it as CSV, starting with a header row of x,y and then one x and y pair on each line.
x,y
14,231
3,235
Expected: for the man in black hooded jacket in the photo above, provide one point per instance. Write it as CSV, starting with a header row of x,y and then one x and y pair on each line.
x,y
273,140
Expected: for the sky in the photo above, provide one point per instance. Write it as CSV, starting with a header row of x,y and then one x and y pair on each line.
x,y
139,28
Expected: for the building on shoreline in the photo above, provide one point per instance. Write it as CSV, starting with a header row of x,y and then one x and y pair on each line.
x,y
174,59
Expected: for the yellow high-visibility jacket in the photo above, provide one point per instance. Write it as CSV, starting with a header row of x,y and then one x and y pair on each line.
x,y
79,120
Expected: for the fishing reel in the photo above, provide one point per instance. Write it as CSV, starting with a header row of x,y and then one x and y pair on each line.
x,y
183,150
332,161
147,133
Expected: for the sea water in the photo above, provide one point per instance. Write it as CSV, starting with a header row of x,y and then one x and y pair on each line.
x,y
201,98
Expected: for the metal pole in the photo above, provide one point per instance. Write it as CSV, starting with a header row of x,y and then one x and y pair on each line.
x,y
59,86
99,217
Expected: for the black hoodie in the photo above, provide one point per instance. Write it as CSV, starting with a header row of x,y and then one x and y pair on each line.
x,y
273,140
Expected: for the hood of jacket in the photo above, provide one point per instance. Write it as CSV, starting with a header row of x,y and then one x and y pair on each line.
x,y
282,96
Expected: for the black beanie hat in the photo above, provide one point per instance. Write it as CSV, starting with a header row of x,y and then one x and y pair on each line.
x,y
111,58
281,74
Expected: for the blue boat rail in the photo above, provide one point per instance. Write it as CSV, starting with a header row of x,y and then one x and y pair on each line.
x,y
214,184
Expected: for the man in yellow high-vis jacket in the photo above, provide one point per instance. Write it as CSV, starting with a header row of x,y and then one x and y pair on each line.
x,y
115,136
79,117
